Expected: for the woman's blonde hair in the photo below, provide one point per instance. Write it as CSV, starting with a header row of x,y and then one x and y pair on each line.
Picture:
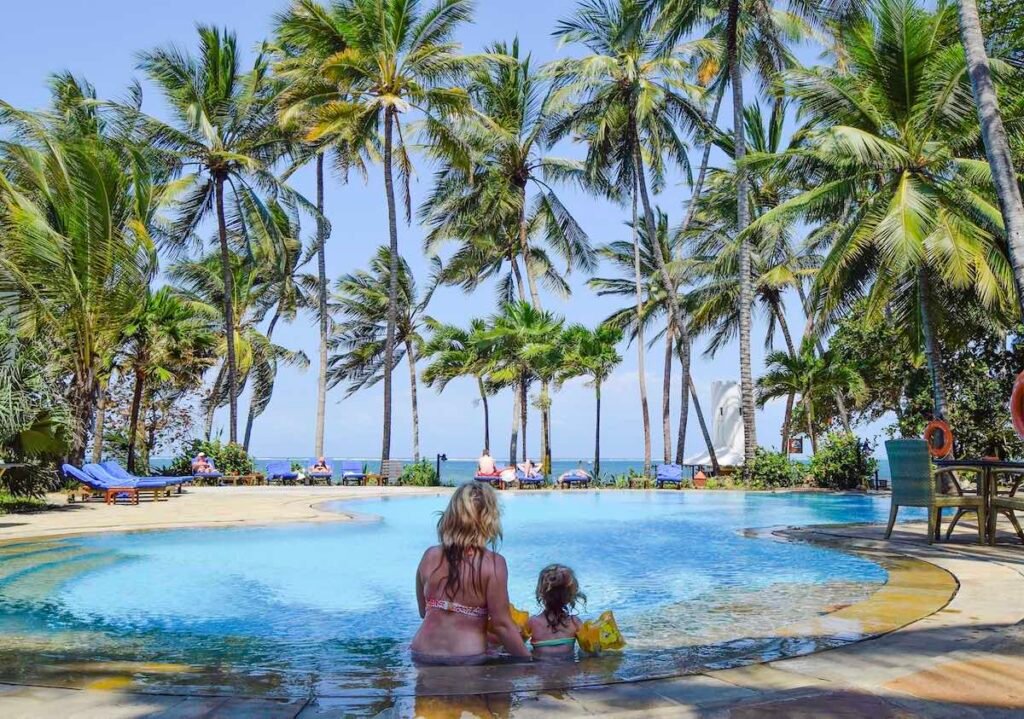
x,y
472,521
559,593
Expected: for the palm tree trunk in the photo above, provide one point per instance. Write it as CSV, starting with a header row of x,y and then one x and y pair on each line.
x,y
133,417
523,411
83,400
997,148
742,220
321,269
514,261
666,399
252,406
931,346
703,426
389,341
641,364
787,420
487,414
101,418
524,249
597,430
844,413
545,429
410,356
513,445
809,406
698,187
229,314
791,397
684,399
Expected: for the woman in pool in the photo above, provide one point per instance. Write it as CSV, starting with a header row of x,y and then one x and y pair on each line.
x,y
553,631
460,583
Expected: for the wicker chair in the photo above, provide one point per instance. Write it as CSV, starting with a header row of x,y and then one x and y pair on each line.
x,y
915,483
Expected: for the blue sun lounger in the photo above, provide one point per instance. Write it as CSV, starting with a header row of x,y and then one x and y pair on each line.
x,y
212,474
316,477
156,486
119,472
92,487
352,472
669,474
534,480
574,478
281,472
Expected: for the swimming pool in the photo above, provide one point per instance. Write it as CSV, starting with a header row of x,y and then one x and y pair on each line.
x,y
328,609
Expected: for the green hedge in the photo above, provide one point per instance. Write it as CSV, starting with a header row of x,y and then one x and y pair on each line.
x,y
770,470
843,462
228,458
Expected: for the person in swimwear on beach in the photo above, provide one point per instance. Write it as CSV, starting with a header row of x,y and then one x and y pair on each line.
x,y
460,583
485,465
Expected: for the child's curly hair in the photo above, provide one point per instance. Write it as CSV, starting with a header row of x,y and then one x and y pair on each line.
x,y
559,593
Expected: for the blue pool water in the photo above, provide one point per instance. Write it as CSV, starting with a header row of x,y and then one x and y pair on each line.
x,y
330,607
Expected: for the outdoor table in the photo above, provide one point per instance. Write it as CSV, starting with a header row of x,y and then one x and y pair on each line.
x,y
988,486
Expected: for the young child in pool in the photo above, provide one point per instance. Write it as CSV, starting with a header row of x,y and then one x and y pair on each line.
x,y
553,631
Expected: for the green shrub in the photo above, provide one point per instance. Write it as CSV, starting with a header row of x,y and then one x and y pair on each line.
x,y
228,458
843,462
772,469
10,503
420,474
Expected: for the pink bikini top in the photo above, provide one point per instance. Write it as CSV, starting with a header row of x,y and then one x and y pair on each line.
x,y
455,608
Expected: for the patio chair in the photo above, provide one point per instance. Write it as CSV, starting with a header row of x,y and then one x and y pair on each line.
x,y
116,470
1007,504
156,487
352,472
323,477
92,487
390,472
915,483
281,472
669,474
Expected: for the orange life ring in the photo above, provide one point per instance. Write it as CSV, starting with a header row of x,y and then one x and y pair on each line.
x,y
934,427
1017,405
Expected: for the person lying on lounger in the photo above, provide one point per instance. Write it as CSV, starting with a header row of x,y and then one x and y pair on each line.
x,y
201,465
320,466
485,465
529,469
575,474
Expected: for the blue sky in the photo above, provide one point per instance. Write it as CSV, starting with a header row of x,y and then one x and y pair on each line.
x,y
99,41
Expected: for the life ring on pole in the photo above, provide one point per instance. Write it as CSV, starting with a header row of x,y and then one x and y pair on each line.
x,y
939,437
1017,405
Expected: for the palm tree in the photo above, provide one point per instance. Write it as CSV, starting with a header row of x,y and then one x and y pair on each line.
x,y
507,138
997,147
200,285
225,134
810,376
592,353
307,35
888,154
362,300
398,57
457,352
160,334
627,100
517,337
77,206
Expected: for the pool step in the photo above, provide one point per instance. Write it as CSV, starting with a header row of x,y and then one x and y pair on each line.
x,y
38,582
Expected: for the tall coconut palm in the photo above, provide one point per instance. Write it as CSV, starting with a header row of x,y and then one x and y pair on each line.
x,y
997,146
359,345
160,334
400,57
456,352
516,337
77,208
889,150
507,137
627,100
810,376
225,136
591,353
201,285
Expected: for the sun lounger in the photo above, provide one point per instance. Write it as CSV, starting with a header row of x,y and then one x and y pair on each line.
x,y
575,478
492,478
390,472
93,487
535,479
669,474
318,477
212,474
158,488
119,472
352,472
281,472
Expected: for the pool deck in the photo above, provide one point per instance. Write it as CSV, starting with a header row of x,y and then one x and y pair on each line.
x,y
951,622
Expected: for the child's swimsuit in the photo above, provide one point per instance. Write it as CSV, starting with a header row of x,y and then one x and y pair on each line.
x,y
566,641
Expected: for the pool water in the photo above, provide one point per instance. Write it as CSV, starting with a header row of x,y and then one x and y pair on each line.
x,y
329,608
